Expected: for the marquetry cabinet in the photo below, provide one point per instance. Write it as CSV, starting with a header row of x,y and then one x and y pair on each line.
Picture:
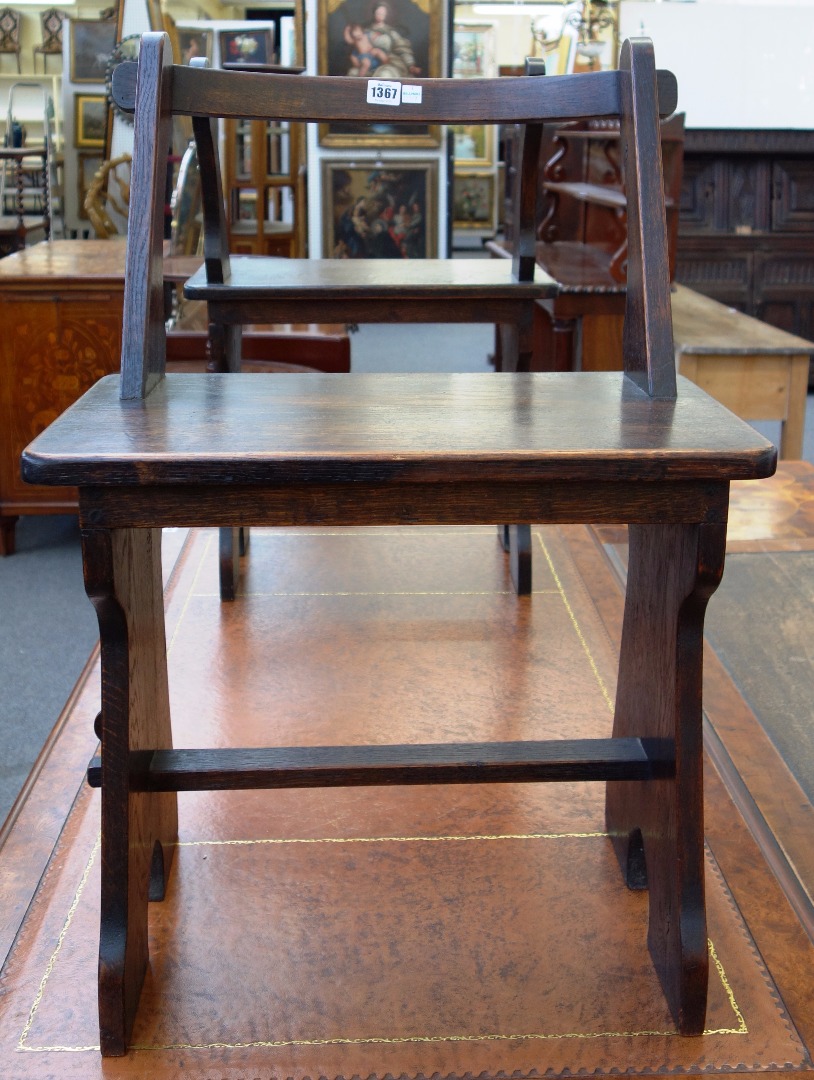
x,y
61,310
746,223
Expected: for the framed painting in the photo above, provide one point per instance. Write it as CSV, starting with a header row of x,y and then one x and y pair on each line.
x,y
473,201
92,44
473,50
379,210
379,39
246,46
192,43
90,121
473,145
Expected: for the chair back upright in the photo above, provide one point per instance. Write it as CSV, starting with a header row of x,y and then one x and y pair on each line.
x,y
635,94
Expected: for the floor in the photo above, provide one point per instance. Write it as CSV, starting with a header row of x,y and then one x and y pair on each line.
x,y
376,932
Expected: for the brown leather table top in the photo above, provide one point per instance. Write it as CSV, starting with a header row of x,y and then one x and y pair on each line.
x,y
375,932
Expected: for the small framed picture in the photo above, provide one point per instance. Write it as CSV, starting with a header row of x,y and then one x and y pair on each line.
x,y
379,210
379,39
192,43
92,44
246,46
473,50
473,201
90,121
474,144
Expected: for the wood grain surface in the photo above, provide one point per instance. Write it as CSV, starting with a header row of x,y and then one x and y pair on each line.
x,y
521,427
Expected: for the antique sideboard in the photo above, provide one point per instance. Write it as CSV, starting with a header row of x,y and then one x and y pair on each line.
x,y
61,317
61,313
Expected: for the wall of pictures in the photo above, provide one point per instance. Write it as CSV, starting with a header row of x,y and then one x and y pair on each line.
x,y
377,191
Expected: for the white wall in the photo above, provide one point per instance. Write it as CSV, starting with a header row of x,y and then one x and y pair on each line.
x,y
739,64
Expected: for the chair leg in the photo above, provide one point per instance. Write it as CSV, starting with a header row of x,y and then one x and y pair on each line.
x,y
516,541
139,830
230,545
515,355
657,827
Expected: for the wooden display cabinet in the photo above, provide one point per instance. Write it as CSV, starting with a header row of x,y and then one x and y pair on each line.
x,y
265,187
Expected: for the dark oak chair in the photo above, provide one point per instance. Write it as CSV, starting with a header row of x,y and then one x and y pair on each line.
x,y
148,450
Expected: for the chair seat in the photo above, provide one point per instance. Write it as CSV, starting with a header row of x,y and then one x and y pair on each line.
x,y
259,278
323,428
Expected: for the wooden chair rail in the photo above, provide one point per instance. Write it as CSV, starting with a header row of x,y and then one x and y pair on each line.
x,y
197,91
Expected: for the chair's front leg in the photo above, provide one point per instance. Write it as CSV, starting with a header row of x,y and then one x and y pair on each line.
x,y
657,826
139,830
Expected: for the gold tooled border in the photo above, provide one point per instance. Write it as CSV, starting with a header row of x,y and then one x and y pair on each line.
x,y
739,1027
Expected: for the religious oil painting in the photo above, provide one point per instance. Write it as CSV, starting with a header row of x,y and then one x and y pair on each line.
x,y
379,210
391,40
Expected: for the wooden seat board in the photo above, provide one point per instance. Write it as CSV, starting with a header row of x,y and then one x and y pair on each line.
x,y
233,428
252,278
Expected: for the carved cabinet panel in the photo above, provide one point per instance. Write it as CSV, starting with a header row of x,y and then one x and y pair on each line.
x,y
746,223
793,188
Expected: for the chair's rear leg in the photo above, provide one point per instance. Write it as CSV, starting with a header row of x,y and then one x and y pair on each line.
x,y
515,352
658,826
139,830
229,561
225,355
516,541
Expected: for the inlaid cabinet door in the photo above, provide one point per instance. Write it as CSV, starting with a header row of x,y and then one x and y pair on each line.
x,y
54,348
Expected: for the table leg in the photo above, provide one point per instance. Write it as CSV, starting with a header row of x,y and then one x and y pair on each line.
x,y
139,829
657,827
793,427
8,529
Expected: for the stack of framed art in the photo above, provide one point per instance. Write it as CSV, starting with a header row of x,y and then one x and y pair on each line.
x,y
88,46
475,175
378,191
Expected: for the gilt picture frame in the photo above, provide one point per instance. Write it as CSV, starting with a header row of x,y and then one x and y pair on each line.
x,y
474,50
473,145
383,39
474,201
90,121
379,210
92,44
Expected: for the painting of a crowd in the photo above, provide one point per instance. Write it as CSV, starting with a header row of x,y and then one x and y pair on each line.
x,y
379,212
